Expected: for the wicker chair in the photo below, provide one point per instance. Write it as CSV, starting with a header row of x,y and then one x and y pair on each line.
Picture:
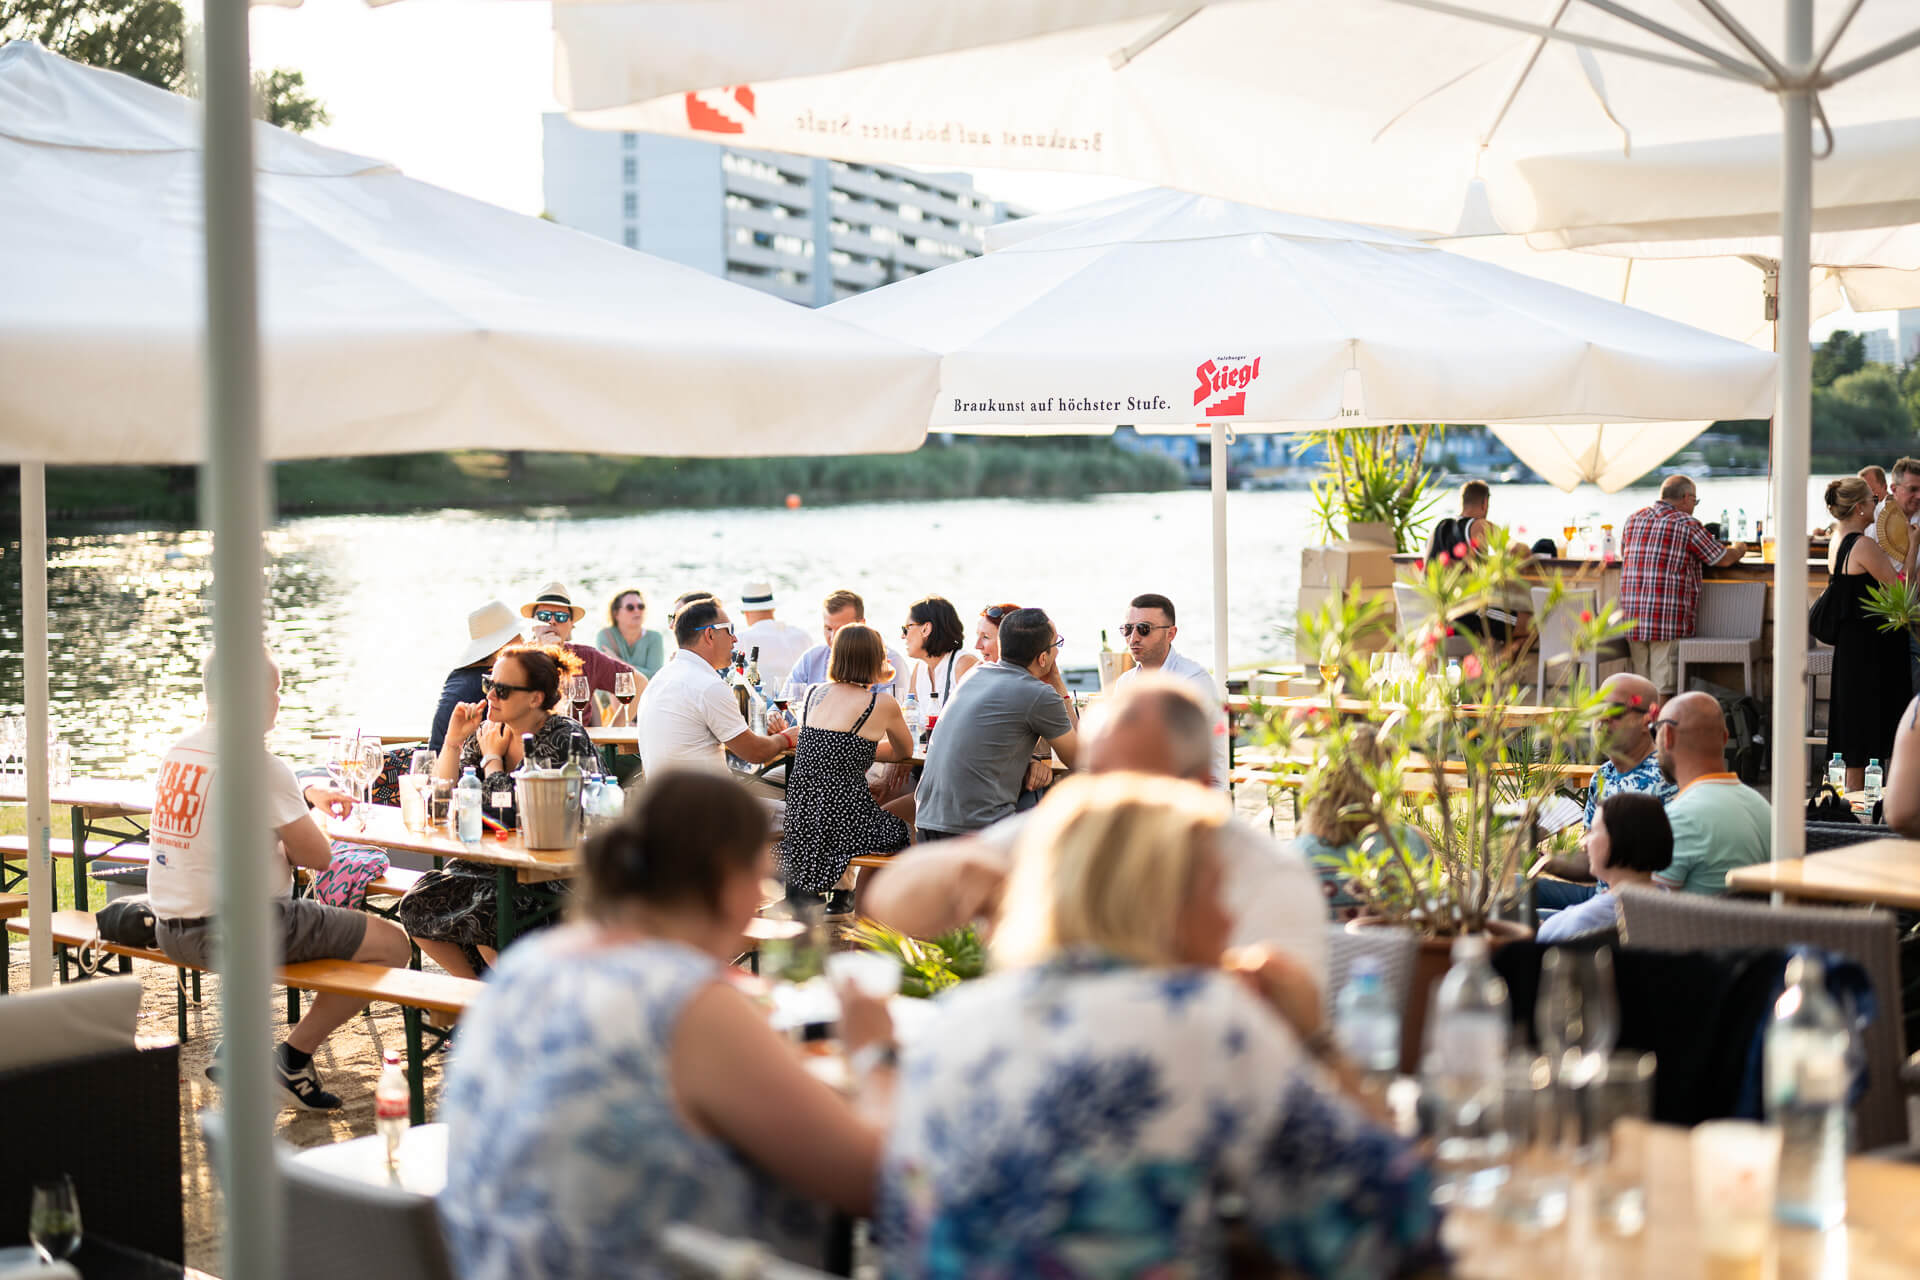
x,y
1838,835
1732,617
1554,627
1393,948
1684,921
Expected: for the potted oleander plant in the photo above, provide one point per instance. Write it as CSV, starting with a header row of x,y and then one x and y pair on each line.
x,y
1437,770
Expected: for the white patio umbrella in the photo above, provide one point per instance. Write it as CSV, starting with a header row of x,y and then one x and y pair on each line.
x,y
1170,309
1575,121
393,317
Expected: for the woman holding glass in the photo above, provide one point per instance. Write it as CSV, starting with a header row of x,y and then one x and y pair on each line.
x,y
1093,1107
613,1080
627,639
453,913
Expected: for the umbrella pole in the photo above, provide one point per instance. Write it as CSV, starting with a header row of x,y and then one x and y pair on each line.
x,y
1793,444
233,481
33,635
1219,461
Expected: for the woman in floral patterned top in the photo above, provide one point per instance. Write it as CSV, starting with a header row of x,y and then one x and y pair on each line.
x,y
611,1081
1101,1107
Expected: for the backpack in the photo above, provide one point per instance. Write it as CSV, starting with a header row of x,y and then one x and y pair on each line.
x,y
1746,730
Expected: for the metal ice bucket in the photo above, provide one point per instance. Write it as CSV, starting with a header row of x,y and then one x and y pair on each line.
x,y
549,805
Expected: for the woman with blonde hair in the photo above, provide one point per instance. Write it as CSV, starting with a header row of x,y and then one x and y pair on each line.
x,y
1089,1110
1870,666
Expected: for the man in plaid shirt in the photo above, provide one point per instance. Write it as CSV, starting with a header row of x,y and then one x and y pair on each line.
x,y
1661,552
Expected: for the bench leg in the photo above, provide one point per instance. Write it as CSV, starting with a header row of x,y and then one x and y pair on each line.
x,y
180,1004
504,923
196,986
6,956
78,820
293,1006
126,964
62,953
416,1074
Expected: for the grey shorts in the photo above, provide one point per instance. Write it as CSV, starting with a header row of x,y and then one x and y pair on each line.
x,y
309,930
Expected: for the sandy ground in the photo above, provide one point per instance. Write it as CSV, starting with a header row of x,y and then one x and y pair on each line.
x,y
349,1065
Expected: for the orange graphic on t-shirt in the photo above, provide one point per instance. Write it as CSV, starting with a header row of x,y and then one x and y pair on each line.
x,y
180,799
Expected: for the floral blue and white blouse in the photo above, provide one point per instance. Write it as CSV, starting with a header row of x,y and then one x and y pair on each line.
x,y
567,1156
1090,1118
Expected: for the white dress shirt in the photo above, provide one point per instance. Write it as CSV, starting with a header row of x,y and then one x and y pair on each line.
x,y
686,715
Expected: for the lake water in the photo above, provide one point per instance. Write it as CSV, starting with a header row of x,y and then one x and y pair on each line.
x,y
367,612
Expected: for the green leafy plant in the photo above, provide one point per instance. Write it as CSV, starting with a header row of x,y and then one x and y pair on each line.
x,y
1895,604
1376,474
928,966
1454,767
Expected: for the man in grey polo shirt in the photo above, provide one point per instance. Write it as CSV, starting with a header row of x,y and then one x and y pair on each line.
x,y
990,731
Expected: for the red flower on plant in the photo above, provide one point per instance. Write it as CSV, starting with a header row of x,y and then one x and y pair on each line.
x,y
1459,551
1635,700
1445,559
1470,666
1586,615
1420,565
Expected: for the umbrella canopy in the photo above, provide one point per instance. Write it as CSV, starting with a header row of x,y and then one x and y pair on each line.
x,y
1172,309
395,316
1393,112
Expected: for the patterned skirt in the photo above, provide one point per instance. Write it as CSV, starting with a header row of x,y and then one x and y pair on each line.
x,y
460,904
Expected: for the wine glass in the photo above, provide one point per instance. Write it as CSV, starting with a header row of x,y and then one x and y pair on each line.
x,y
1577,1013
372,757
580,693
54,1227
624,693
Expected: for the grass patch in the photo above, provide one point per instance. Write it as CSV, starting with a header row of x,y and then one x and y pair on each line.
x,y
13,822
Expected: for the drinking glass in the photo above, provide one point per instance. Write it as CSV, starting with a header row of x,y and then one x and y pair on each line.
x,y
54,1227
1614,1108
1539,1184
373,758
580,693
1736,1166
1577,1014
624,693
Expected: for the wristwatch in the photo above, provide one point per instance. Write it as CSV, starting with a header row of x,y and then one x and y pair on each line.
x,y
864,1061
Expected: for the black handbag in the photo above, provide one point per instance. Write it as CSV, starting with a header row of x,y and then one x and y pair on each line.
x,y
1829,611
127,922
1830,806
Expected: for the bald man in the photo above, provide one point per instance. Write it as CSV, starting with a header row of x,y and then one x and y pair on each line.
x,y
1719,823
1152,724
1629,763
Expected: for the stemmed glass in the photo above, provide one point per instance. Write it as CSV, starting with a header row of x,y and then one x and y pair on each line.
x,y
373,758
624,693
580,693
1577,1014
54,1227
13,736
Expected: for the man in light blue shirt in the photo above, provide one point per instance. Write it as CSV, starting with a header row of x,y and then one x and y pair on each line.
x,y
1719,823
843,608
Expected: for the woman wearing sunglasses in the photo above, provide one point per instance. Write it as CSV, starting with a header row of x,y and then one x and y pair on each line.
x,y
452,913
986,632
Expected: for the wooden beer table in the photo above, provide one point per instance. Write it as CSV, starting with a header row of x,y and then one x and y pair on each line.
x,y
1881,873
115,808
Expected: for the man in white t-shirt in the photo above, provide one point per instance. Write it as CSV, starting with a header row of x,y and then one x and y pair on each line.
x,y
181,886
1149,631
781,644
689,718
1154,725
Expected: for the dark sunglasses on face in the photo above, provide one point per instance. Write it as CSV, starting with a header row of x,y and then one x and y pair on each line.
x,y
633,605
1145,629
553,615
500,690
1657,725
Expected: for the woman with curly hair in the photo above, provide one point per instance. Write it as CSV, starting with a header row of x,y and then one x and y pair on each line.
x,y
452,913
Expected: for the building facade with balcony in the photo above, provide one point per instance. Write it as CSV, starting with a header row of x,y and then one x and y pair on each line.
x,y
809,230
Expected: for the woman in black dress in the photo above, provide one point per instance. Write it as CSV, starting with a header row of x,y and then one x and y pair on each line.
x,y
452,914
1872,679
831,815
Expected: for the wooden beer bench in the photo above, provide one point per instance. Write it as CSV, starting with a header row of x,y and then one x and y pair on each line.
x,y
415,992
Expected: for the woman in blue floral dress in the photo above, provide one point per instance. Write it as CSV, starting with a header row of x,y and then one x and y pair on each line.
x,y
1095,1110
612,1082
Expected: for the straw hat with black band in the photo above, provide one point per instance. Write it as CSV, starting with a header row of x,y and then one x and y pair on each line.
x,y
553,596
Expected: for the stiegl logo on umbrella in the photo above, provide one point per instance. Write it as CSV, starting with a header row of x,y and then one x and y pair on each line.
x,y
1223,385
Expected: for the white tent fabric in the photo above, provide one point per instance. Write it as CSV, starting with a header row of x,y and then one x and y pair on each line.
x,y
395,316
1124,317
1382,111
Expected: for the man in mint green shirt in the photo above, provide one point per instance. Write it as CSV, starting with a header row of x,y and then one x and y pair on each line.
x,y
1719,823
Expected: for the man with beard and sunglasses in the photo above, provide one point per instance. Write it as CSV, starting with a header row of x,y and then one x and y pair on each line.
x,y
689,718
1149,631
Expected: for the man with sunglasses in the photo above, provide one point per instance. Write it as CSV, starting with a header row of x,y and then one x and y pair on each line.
x,y
1719,823
553,613
690,718
1628,763
1149,631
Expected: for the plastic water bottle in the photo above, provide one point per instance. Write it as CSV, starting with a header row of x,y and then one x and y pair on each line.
x,y
392,1106
1609,550
1837,773
1726,526
466,809
1874,778
1463,1070
1740,525
1367,1025
1806,1087
912,711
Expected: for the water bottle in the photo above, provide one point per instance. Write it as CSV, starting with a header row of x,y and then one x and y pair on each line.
x,y
466,809
1740,525
1367,1025
1726,526
392,1106
1463,1070
1837,773
1806,1090
912,711
1874,778
1609,550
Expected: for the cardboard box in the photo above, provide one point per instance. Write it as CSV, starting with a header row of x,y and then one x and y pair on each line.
x,y
1370,533
1312,599
1346,564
